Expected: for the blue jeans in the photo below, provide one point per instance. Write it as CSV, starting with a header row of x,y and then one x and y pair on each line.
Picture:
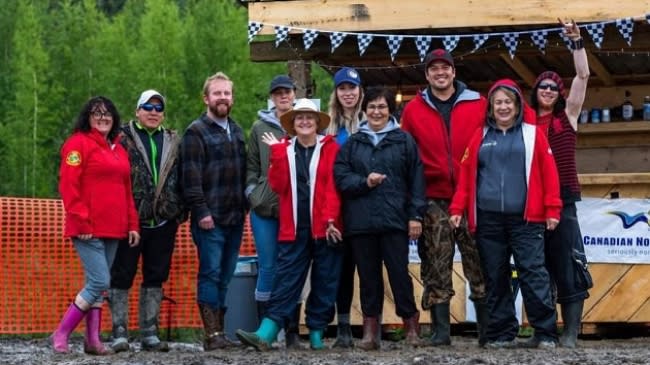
x,y
218,251
265,232
294,260
96,255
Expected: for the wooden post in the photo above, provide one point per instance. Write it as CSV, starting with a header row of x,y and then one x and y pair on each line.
x,y
300,72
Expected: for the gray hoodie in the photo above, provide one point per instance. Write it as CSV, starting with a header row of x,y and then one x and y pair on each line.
x,y
376,137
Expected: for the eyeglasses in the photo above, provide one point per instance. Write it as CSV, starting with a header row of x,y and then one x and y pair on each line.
x,y
377,107
150,107
100,114
548,86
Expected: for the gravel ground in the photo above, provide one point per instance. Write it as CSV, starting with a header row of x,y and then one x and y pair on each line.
x,y
463,351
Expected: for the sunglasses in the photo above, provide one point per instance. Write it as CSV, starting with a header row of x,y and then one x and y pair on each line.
x,y
150,107
548,86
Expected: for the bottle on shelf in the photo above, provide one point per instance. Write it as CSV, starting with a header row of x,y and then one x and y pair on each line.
x,y
628,108
646,107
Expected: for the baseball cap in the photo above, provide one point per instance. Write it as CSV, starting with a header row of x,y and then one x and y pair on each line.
x,y
281,81
148,94
439,55
347,74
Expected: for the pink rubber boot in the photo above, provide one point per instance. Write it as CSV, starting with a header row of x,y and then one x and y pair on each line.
x,y
92,343
70,321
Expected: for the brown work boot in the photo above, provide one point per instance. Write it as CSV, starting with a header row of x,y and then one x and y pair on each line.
x,y
412,329
369,340
213,325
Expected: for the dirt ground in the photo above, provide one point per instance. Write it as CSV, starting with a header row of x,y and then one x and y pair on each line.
x,y
464,350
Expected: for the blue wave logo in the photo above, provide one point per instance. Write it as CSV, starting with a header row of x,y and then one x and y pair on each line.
x,y
628,221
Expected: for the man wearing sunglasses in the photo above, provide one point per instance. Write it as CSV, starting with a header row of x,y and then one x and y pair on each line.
x,y
153,151
442,118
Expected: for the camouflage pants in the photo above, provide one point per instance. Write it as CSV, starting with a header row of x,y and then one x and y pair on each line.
x,y
436,247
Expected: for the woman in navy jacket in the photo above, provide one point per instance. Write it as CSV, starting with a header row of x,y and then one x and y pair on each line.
x,y
379,175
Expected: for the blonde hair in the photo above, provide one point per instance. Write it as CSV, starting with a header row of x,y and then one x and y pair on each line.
x,y
218,76
337,116
509,93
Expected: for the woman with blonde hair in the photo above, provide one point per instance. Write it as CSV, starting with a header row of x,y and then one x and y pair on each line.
x,y
345,113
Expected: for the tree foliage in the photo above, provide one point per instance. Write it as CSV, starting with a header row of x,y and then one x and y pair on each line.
x,y
57,54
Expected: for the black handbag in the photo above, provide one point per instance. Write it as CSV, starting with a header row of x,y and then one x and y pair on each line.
x,y
582,269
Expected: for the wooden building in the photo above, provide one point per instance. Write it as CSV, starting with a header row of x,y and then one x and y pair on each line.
x,y
613,158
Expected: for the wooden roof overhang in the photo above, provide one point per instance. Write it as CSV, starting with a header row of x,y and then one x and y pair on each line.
x,y
614,64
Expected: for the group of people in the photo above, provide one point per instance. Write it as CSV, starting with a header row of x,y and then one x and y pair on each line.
x,y
329,194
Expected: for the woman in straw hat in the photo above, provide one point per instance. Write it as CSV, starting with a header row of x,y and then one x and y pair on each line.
x,y
300,173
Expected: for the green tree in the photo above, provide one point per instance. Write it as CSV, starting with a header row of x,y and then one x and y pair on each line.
x,y
28,129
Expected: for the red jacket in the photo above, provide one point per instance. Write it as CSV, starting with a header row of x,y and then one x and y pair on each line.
x,y
95,185
325,202
543,199
440,149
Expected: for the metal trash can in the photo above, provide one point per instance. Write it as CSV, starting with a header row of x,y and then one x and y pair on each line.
x,y
240,299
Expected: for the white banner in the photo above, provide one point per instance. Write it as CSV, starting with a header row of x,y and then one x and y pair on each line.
x,y
615,230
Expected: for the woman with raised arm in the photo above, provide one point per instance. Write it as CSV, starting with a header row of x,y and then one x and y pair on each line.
x,y
558,113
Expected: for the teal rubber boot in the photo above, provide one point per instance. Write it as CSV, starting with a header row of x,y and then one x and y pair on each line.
x,y
263,338
316,340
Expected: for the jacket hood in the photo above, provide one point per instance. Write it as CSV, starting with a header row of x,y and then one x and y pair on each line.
x,y
391,125
525,115
462,94
268,116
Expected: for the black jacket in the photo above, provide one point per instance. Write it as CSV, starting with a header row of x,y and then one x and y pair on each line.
x,y
390,205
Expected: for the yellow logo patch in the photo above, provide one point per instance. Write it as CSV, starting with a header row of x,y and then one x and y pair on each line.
x,y
73,158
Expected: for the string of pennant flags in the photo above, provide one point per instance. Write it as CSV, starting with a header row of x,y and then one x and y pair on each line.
x,y
596,31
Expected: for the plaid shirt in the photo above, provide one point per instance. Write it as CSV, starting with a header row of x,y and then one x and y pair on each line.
x,y
213,171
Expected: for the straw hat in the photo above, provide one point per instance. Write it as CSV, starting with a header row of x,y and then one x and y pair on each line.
x,y
303,105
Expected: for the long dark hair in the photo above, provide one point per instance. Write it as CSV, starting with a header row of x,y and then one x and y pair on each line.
x,y
83,120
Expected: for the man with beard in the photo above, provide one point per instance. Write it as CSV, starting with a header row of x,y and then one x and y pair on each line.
x,y
213,172
442,118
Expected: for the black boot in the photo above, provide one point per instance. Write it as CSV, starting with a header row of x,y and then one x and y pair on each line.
x,y
292,330
343,336
440,319
572,316
482,316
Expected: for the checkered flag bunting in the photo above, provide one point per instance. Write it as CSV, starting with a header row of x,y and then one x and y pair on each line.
x,y
625,27
422,43
511,40
336,38
394,42
567,41
596,32
539,39
308,37
479,40
281,33
450,42
253,29
363,40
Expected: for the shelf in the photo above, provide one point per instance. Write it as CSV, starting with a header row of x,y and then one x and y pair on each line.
x,y
614,127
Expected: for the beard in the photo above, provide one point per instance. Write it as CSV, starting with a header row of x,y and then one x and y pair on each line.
x,y
220,110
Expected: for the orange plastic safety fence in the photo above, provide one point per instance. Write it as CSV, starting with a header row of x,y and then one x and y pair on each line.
x,y
40,273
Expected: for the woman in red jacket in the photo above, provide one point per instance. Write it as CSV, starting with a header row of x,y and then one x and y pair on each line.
x,y
508,185
301,173
95,185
